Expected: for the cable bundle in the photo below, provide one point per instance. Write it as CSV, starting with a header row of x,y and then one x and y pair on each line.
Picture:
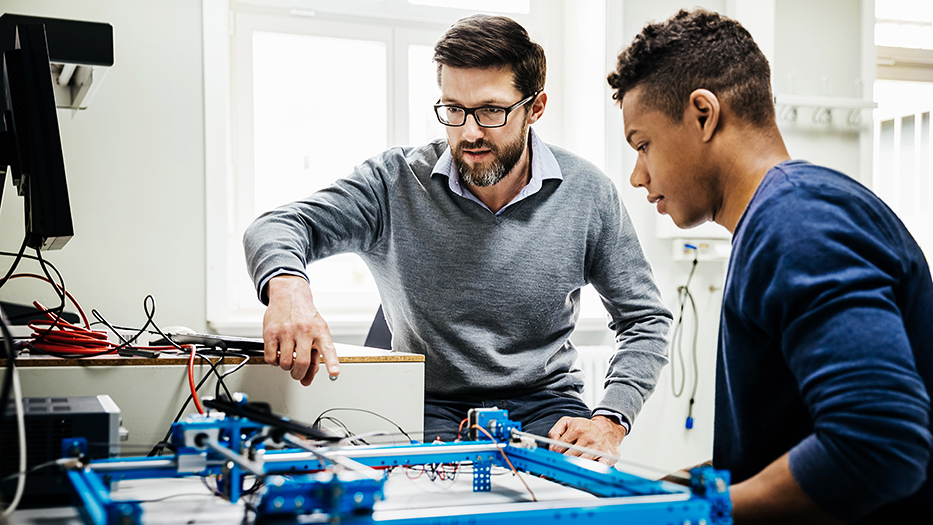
x,y
54,335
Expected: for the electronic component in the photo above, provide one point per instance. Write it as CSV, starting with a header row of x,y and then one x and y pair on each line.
x,y
495,421
223,341
344,484
49,420
30,144
131,351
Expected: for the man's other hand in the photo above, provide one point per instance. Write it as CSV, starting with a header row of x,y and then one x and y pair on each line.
x,y
599,433
294,333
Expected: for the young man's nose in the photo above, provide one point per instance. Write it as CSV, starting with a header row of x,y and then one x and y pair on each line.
x,y
639,174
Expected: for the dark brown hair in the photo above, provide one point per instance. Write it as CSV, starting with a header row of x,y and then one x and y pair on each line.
x,y
696,50
484,41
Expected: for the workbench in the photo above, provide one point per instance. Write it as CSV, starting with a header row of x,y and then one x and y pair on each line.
x,y
150,391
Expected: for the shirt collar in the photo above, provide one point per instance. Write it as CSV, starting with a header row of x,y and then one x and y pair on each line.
x,y
543,166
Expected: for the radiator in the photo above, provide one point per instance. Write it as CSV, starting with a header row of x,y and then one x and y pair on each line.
x,y
594,361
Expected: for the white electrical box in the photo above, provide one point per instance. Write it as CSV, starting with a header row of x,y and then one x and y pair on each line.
x,y
704,249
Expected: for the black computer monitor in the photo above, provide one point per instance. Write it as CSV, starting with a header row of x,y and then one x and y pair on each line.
x,y
30,143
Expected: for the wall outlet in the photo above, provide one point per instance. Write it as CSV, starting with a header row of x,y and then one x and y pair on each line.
x,y
703,249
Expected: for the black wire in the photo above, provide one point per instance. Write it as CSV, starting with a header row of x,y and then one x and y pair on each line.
x,y
214,491
682,293
150,321
157,450
11,362
59,291
22,255
30,471
214,495
100,318
696,368
257,484
366,411
346,430
44,263
220,377
19,256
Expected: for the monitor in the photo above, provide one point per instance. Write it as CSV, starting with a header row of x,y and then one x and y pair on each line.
x,y
30,143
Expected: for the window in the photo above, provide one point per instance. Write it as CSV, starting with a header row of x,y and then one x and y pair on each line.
x,y
284,119
904,23
903,174
316,112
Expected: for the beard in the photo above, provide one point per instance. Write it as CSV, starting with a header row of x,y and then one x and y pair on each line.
x,y
486,174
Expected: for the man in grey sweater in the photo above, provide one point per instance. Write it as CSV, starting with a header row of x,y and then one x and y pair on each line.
x,y
479,246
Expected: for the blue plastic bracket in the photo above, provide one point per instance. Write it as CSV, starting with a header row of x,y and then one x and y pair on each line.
x,y
482,475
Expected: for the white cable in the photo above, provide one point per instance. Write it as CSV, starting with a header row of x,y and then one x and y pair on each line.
x,y
599,453
21,432
571,446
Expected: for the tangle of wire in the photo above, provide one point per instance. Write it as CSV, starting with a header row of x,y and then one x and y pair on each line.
x,y
55,336
164,443
321,417
44,265
434,471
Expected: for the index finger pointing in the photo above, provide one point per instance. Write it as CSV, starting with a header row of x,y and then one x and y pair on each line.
x,y
329,355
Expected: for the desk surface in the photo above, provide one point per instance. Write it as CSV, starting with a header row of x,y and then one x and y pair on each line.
x,y
408,494
345,353
150,392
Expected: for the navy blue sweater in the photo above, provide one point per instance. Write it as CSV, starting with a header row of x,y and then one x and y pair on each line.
x,y
826,347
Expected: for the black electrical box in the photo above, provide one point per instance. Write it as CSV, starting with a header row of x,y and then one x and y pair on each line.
x,y
49,420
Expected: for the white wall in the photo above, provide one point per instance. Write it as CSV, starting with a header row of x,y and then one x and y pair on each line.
x,y
135,166
135,163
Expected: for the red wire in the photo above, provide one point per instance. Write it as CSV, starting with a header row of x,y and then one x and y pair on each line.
x,y
420,472
194,390
56,285
61,337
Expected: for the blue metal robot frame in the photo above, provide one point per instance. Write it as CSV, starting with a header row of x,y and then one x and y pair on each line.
x,y
343,484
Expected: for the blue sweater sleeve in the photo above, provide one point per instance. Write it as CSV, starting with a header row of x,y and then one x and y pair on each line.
x,y
826,290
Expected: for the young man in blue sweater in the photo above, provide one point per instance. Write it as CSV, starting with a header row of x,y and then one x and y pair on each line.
x,y
479,245
825,360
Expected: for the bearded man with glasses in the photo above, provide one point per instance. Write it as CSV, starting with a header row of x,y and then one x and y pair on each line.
x,y
479,245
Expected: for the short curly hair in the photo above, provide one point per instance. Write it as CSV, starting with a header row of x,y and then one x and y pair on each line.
x,y
484,41
693,50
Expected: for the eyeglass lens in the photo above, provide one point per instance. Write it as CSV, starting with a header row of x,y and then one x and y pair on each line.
x,y
455,116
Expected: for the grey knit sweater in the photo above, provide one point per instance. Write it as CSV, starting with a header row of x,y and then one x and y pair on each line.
x,y
489,300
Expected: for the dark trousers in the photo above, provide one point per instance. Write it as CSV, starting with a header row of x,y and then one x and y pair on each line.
x,y
537,412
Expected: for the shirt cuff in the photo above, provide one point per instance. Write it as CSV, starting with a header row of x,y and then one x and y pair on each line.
x,y
615,416
263,292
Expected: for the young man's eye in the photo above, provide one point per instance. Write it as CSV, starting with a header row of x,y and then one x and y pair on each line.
x,y
642,147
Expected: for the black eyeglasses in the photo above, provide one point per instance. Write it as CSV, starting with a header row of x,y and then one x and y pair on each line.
x,y
486,116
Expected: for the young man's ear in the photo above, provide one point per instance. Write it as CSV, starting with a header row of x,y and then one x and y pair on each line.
x,y
703,112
